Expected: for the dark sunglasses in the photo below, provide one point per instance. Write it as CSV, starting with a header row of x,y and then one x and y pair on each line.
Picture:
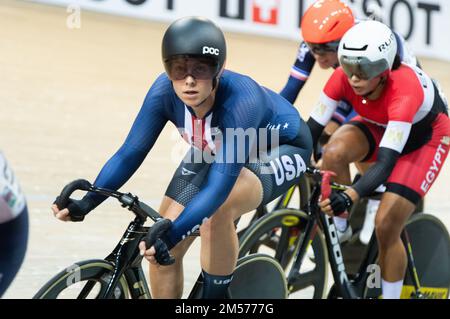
x,y
199,68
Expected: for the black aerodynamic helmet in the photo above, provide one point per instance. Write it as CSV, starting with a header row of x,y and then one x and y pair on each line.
x,y
194,37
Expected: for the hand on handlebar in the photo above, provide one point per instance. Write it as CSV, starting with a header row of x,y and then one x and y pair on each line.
x,y
66,209
62,214
336,204
153,248
158,254
74,211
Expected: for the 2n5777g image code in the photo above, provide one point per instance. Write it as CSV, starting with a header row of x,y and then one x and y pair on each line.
x,y
205,310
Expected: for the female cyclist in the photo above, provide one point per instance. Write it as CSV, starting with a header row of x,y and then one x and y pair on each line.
x,y
248,146
323,25
402,127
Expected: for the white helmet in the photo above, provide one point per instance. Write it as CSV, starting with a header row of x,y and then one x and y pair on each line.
x,y
367,50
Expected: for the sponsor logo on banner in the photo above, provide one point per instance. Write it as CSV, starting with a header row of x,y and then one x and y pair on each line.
x,y
266,11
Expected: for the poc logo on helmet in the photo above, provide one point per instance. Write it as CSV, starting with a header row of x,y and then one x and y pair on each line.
x,y
210,50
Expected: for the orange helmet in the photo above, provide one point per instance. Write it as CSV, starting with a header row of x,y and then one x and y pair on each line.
x,y
326,21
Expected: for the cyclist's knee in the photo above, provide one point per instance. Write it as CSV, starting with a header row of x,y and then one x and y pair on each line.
x,y
335,153
348,144
245,196
222,219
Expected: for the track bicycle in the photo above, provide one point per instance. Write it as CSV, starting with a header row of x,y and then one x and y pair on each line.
x,y
120,274
288,234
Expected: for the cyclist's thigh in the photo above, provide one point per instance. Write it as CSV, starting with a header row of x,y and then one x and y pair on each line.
x,y
425,163
245,196
357,140
280,169
186,181
13,245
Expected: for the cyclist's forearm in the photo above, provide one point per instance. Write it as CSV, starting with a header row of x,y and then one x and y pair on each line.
x,y
116,172
316,130
292,89
378,173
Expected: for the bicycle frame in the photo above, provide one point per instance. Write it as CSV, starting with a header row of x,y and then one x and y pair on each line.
x,y
127,262
126,258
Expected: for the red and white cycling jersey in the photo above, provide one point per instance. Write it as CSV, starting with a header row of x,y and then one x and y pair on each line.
x,y
406,108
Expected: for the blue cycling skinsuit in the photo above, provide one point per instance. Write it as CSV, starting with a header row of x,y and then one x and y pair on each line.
x,y
13,225
202,186
304,64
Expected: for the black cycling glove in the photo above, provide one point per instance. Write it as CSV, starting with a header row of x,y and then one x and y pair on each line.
x,y
157,237
162,255
78,208
340,202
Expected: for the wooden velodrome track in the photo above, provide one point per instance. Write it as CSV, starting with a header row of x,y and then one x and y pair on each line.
x,y
68,99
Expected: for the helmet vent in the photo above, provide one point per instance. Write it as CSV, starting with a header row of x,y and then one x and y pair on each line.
x,y
333,26
364,48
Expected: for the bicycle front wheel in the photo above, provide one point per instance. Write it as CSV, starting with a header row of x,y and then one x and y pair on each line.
x,y
84,280
278,235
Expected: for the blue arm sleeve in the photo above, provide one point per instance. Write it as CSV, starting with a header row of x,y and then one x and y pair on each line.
x,y
141,138
292,89
299,73
212,195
